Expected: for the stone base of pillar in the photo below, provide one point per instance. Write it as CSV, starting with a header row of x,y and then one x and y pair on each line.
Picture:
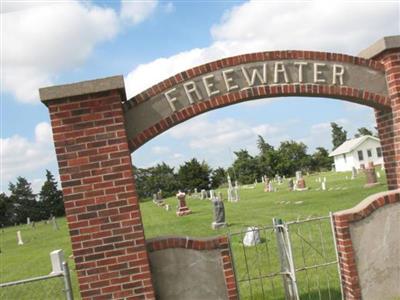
x,y
215,225
183,211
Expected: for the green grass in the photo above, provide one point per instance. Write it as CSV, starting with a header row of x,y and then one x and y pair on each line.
x,y
254,208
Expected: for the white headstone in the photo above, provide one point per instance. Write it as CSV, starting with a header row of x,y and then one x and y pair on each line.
x,y
252,237
212,194
323,185
324,179
270,187
298,175
57,259
19,238
28,221
166,207
236,192
319,179
55,225
378,174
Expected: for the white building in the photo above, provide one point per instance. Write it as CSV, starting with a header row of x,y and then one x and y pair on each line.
x,y
357,152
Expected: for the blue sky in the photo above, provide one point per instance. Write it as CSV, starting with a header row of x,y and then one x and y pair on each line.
x,y
55,42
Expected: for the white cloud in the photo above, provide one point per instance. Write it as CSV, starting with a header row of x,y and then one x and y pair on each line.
x,y
43,40
137,11
204,134
337,26
160,150
20,156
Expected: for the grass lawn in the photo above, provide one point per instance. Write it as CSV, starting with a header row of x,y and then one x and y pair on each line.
x,y
255,208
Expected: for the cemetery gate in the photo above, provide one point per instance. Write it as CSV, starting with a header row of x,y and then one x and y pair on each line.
x,y
96,128
293,260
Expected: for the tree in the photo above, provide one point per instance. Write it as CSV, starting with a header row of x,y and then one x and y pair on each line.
x,y
363,131
246,167
292,157
193,174
7,212
320,160
24,201
339,135
51,198
150,181
267,159
218,177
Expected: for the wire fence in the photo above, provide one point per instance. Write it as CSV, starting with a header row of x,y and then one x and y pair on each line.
x,y
293,260
56,285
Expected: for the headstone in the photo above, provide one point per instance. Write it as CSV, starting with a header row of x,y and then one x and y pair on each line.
x,y
353,173
196,193
300,182
319,179
159,195
252,237
203,194
219,213
270,187
19,238
378,174
324,179
291,184
54,222
212,196
182,208
166,207
57,259
28,221
323,185
266,184
236,199
371,175
231,195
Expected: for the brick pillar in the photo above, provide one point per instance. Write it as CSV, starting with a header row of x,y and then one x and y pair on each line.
x,y
387,51
389,123
100,200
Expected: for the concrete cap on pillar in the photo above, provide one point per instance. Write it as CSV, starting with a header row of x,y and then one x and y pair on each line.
x,y
384,44
82,88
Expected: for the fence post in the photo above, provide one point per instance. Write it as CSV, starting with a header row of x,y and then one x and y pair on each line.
x,y
67,282
286,259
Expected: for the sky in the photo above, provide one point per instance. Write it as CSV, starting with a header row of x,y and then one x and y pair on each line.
x,y
45,43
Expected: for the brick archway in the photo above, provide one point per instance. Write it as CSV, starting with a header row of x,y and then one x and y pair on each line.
x,y
95,129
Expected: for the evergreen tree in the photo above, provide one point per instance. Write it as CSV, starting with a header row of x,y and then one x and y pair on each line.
x,y
193,174
150,181
321,160
218,177
292,157
363,131
246,167
50,197
24,201
7,211
267,159
339,135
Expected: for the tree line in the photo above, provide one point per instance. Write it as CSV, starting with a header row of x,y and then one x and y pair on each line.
x,y
284,160
23,203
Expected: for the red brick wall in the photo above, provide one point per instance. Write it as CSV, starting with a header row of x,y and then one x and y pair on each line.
x,y
347,262
221,243
389,123
99,196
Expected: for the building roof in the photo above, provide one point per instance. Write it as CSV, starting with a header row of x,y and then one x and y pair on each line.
x,y
350,145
